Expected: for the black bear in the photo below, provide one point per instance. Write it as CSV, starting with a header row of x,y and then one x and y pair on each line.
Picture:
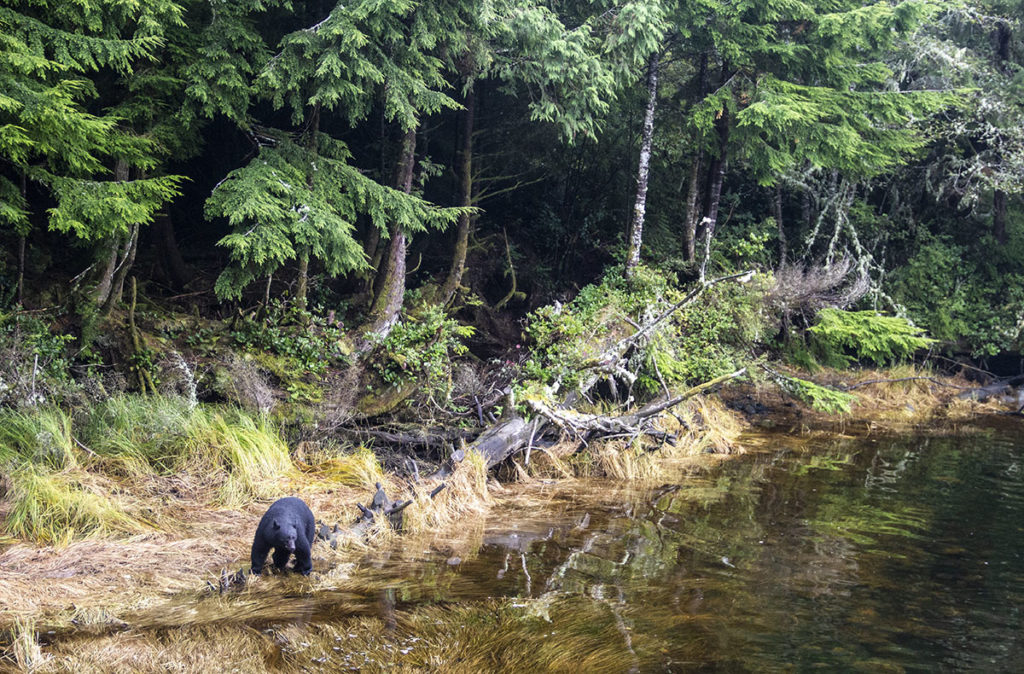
x,y
288,526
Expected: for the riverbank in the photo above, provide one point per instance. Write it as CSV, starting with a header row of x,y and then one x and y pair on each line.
x,y
183,534
610,572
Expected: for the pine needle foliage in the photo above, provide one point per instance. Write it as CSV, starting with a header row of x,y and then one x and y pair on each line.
x,y
842,337
290,196
48,133
819,397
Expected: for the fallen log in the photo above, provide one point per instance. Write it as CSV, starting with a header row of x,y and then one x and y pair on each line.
x,y
998,388
432,438
380,506
586,426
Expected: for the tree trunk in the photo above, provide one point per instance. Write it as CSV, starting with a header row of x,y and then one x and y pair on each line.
x,y
108,282
107,277
777,214
302,282
716,176
999,217
694,204
170,255
451,283
693,208
636,227
388,302
127,259
21,246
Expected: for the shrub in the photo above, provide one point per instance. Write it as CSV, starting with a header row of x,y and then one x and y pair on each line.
x,y
420,348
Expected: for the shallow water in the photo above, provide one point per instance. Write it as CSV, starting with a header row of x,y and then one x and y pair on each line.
x,y
854,554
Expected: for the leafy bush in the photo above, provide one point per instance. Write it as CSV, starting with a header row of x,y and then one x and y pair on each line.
x,y
34,362
842,337
311,340
697,343
971,296
420,347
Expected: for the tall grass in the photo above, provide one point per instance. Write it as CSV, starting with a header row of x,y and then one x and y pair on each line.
x,y
248,452
62,471
57,507
42,437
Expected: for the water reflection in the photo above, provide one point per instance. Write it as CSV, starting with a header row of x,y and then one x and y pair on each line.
x,y
875,554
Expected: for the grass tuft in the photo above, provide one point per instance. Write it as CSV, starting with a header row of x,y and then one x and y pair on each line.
x,y
57,507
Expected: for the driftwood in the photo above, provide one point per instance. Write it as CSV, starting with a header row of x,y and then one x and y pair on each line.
x,y
381,505
626,425
998,388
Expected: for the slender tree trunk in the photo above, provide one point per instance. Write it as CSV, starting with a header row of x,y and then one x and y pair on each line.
x,y
451,283
302,282
716,176
694,204
717,173
388,302
21,246
999,217
107,277
777,213
636,226
124,265
170,255
693,208
107,280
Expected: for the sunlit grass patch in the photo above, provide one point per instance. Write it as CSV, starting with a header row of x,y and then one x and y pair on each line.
x,y
358,468
41,437
247,454
57,507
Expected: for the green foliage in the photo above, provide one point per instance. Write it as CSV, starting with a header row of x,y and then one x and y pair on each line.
x,y
34,362
420,348
309,340
820,398
699,342
290,198
46,132
970,296
843,337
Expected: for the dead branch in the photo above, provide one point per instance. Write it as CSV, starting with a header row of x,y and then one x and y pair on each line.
x,y
632,424
894,381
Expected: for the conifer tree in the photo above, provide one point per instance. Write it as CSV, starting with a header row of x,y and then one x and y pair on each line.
x,y
336,66
47,135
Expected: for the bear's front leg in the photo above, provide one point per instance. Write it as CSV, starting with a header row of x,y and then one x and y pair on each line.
x,y
259,555
281,556
303,558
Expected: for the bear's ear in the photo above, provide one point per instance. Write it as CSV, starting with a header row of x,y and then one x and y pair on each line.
x,y
277,525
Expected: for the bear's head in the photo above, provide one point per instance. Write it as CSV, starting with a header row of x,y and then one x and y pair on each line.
x,y
285,534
